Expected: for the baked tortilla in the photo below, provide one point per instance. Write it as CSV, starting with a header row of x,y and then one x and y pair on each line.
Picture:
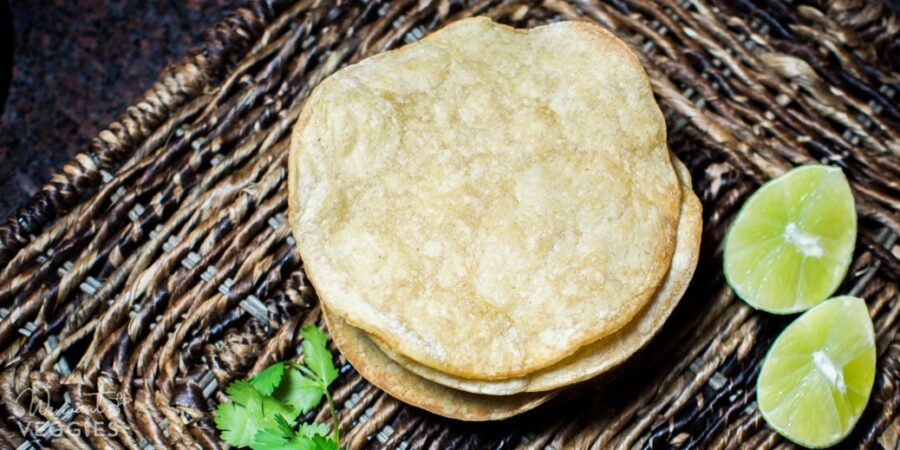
x,y
410,388
605,354
488,200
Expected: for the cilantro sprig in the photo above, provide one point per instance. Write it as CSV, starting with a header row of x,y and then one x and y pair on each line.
x,y
261,413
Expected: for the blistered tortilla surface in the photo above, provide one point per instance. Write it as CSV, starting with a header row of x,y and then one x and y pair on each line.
x,y
598,357
487,200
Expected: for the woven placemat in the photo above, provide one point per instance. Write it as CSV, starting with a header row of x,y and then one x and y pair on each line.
x,y
157,267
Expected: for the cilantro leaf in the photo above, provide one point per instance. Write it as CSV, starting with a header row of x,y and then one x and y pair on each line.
x,y
236,431
313,334
324,444
242,393
268,379
270,440
248,412
304,443
314,429
271,408
302,393
283,426
316,356
261,412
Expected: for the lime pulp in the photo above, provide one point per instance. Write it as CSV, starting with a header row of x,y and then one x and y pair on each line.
x,y
817,377
791,244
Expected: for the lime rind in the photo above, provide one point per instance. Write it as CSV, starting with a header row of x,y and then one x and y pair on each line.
x,y
825,358
791,244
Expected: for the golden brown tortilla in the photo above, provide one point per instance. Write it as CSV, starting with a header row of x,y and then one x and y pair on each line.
x,y
410,388
601,356
488,200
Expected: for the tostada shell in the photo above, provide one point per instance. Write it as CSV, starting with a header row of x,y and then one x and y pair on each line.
x,y
488,200
410,388
608,352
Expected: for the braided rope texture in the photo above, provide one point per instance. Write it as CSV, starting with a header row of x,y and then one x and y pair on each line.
x,y
157,267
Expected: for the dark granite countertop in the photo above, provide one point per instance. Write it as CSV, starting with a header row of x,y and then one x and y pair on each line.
x,y
77,66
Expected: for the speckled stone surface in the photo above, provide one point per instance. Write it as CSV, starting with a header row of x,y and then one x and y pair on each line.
x,y
77,66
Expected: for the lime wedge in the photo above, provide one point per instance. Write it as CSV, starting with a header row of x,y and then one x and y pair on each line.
x,y
816,379
791,244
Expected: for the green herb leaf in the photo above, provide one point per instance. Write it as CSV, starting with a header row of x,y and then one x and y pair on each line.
x,y
308,437
283,426
269,409
242,393
324,444
269,439
231,420
262,411
314,429
302,393
268,379
248,412
316,356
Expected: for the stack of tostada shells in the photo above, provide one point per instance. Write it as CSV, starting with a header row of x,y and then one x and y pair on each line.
x,y
491,215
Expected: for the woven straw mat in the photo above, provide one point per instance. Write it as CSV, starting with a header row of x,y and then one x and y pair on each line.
x,y
156,267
